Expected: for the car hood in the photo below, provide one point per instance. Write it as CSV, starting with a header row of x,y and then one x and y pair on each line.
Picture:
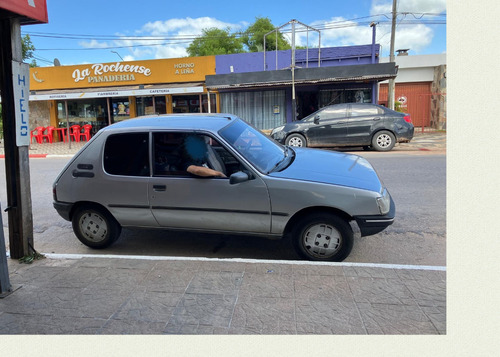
x,y
332,168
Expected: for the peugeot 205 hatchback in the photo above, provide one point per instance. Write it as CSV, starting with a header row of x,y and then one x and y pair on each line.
x,y
216,173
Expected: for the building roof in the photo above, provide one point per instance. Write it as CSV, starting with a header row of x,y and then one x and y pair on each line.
x,y
367,72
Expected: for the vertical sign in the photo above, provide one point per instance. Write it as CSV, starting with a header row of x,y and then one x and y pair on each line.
x,y
20,80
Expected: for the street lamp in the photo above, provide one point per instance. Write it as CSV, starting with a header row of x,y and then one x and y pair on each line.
x,y
118,55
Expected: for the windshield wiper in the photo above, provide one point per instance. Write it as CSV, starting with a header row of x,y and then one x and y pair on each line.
x,y
287,150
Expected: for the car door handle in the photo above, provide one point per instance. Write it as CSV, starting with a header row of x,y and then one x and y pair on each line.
x,y
159,188
376,118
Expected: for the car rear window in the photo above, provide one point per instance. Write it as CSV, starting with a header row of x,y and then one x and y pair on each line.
x,y
127,154
363,110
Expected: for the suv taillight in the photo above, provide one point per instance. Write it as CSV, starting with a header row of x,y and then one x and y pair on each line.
x,y
407,118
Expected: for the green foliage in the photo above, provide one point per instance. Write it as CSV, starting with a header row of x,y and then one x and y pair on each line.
x,y
253,37
27,50
215,41
398,107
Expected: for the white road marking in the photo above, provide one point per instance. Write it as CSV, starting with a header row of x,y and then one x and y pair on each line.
x,y
250,261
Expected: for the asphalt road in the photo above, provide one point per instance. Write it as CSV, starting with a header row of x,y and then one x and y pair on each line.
x,y
417,182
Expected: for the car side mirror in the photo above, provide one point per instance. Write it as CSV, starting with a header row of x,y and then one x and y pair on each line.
x,y
238,177
316,119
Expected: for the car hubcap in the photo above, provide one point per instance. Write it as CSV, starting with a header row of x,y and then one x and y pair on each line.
x,y
384,141
295,142
93,227
322,240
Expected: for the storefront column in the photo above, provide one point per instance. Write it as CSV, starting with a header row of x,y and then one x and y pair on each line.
x,y
168,101
132,108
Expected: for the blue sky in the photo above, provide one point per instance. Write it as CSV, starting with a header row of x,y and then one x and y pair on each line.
x,y
88,31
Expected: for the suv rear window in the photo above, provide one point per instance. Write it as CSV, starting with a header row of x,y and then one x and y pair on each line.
x,y
127,154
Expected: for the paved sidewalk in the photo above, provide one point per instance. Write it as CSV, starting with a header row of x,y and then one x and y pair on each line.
x,y
161,295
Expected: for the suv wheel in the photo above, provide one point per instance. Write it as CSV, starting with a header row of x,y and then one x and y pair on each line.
x,y
95,227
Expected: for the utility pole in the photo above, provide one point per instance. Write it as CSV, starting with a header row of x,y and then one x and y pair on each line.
x,y
15,91
391,89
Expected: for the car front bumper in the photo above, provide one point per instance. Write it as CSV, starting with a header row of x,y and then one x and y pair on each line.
x,y
370,225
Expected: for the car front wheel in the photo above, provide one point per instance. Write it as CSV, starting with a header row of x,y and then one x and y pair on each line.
x,y
323,237
95,227
296,140
383,141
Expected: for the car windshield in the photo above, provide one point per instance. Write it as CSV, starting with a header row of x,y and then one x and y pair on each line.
x,y
264,153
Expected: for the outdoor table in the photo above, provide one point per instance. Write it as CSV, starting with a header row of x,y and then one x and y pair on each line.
x,y
63,133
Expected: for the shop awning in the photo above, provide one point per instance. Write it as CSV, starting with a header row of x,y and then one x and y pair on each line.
x,y
358,73
133,91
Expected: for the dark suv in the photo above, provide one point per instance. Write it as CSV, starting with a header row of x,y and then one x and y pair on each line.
x,y
350,124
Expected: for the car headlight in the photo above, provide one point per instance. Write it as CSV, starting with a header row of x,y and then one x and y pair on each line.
x,y
384,202
275,130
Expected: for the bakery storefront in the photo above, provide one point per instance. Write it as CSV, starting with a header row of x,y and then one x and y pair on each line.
x,y
101,94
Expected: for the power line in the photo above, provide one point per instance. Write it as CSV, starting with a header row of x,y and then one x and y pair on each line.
x,y
183,39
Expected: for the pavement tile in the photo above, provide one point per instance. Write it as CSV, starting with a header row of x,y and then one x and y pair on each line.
x,y
338,316
392,319
204,309
139,327
322,287
263,313
164,280
268,285
215,282
148,306
380,291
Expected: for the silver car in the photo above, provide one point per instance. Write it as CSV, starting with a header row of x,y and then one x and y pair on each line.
x,y
216,173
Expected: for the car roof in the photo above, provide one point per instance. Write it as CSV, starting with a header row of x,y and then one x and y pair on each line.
x,y
202,121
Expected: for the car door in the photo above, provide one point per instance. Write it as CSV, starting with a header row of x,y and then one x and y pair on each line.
x,y
329,126
362,119
123,185
181,200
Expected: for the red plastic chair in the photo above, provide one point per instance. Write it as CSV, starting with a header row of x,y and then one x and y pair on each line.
x,y
37,133
50,134
74,132
86,132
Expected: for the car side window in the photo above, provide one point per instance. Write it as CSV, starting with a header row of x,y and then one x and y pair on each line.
x,y
173,152
127,154
333,112
365,110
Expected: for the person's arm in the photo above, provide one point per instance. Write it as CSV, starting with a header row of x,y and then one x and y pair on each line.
x,y
204,171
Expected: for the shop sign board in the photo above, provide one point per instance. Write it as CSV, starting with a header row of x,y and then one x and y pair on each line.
x,y
97,75
21,83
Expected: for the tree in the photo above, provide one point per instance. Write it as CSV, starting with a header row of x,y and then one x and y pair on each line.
x,y
27,50
215,41
253,37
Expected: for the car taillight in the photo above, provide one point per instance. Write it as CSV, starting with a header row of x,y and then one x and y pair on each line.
x,y
407,118
54,192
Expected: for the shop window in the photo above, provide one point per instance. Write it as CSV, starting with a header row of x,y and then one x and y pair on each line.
x,y
84,111
121,109
144,106
186,103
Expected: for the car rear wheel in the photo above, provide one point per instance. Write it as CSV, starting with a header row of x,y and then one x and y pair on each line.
x,y
296,140
95,227
383,141
323,237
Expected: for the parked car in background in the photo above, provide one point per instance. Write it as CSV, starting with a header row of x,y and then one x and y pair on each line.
x,y
138,173
350,124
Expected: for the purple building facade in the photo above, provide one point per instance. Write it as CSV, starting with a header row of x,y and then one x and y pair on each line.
x,y
263,94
